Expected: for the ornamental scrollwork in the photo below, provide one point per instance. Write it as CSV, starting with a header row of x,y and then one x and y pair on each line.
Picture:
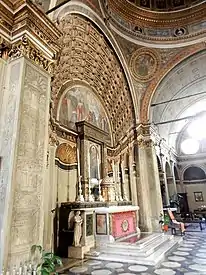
x,y
25,48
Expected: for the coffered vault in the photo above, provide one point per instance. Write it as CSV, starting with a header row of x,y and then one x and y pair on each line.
x,y
87,55
178,96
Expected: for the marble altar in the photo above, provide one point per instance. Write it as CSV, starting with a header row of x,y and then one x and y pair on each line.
x,y
115,222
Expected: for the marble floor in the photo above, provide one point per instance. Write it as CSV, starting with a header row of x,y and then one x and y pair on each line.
x,y
188,258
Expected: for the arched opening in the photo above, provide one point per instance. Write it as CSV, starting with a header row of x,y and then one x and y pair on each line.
x,y
194,180
193,174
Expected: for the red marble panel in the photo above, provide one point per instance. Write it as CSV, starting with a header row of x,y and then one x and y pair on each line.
x,y
123,224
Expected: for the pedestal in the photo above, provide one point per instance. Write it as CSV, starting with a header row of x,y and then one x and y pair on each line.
x,y
77,252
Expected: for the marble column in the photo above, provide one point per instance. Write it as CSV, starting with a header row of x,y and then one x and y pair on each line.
x,y
174,180
167,198
150,200
132,176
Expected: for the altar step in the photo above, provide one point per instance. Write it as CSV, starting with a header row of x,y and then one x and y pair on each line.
x,y
136,250
154,249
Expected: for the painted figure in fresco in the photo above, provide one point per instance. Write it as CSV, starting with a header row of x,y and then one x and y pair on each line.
x,y
80,111
77,228
79,104
93,163
145,65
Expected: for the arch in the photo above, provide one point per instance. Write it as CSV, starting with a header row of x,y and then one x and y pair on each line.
x,y
194,173
97,63
149,93
191,165
82,9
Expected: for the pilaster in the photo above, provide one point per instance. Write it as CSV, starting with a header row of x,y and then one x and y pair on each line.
x,y
31,37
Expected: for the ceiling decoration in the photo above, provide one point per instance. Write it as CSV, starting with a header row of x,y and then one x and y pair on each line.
x,y
149,26
144,64
87,57
165,5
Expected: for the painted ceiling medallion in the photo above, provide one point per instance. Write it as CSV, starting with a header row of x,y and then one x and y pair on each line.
x,y
144,63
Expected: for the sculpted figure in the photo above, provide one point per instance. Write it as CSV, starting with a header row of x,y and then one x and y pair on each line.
x,y
77,228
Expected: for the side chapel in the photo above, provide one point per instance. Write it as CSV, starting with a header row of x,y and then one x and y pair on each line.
x,y
96,98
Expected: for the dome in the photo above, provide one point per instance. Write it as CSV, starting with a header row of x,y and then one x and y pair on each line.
x,y
165,5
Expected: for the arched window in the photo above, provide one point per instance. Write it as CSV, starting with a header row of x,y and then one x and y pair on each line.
x,y
194,173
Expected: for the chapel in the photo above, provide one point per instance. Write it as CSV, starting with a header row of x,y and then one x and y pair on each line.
x,y
102,126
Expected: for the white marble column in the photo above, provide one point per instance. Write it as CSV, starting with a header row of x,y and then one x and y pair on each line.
x,y
174,180
167,198
150,200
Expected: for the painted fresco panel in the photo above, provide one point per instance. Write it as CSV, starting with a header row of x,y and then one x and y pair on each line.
x,y
79,103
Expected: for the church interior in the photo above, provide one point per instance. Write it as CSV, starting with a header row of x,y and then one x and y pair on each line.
x,y
103,136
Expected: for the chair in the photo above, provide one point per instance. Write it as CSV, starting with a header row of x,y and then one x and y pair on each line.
x,y
175,224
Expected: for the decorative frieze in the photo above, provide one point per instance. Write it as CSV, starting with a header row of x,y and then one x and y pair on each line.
x,y
25,48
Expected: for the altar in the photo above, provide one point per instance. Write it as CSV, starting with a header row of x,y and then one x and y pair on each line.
x,y
103,211
115,222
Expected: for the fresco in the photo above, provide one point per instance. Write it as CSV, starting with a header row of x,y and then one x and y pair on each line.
x,y
78,104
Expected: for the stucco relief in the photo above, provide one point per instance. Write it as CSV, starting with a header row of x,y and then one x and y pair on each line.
x,y
26,224
7,135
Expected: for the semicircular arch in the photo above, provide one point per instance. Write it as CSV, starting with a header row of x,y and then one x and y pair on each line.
x,y
90,14
145,114
87,55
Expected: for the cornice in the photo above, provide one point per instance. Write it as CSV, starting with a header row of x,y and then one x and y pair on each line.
x,y
137,15
25,18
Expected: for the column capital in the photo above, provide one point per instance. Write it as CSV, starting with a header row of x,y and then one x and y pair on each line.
x,y
27,31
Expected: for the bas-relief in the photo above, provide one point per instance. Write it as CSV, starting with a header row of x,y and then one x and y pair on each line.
x,y
79,103
10,121
26,227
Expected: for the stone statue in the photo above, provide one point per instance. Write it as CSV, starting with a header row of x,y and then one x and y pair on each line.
x,y
77,228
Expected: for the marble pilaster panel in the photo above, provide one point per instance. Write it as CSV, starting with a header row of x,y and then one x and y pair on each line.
x,y
29,87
